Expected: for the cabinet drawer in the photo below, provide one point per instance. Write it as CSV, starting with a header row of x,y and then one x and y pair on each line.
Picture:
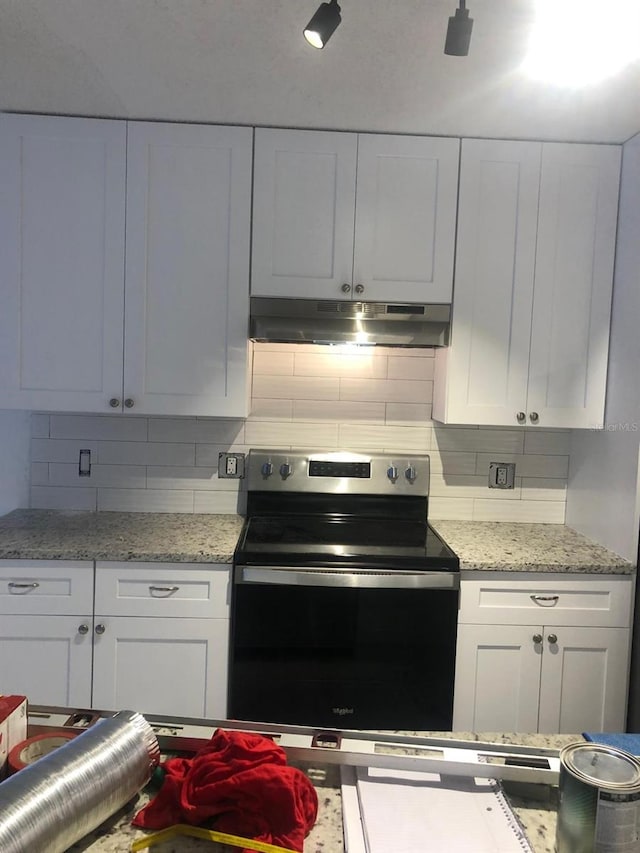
x,y
156,589
34,587
547,600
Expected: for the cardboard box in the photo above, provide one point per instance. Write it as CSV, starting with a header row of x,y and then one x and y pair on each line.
x,y
13,726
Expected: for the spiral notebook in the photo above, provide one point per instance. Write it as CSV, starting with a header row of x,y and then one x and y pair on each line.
x,y
388,811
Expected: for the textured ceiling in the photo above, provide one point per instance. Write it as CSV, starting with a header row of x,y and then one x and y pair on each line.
x,y
245,62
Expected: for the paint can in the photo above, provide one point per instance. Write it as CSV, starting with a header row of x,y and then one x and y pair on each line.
x,y
599,809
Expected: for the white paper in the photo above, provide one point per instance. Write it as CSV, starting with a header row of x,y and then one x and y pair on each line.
x,y
410,812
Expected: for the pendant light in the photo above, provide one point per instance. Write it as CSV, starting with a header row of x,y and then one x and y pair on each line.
x,y
323,24
459,32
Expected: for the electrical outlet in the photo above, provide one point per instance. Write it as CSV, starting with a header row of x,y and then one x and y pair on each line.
x,y
502,475
231,466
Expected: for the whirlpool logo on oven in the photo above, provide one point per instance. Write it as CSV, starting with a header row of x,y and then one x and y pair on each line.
x,y
342,712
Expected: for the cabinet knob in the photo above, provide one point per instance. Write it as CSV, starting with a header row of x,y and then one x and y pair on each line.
x,y
346,288
129,404
359,288
537,638
552,639
533,417
114,403
100,629
83,629
521,417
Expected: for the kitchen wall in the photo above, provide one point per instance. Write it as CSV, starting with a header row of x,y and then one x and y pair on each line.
x,y
14,460
303,395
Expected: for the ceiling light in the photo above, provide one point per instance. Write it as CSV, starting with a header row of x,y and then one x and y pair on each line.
x,y
607,41
459,32
323,24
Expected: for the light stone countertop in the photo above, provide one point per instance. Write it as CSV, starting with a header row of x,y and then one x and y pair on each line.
x,y
34,534
520,547
538,818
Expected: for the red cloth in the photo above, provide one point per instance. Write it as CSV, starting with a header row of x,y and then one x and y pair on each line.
x,y
243,782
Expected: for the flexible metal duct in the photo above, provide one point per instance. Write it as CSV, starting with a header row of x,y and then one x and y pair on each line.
x,y
49,805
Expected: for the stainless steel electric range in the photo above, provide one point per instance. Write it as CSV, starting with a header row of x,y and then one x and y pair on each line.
x,y
345,600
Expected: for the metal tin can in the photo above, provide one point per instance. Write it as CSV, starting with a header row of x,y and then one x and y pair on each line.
x,y
599,809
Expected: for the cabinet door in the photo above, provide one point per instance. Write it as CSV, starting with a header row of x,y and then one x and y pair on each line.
x,y
47,659
573,284
485,368
584,680
161,666
62,214
303,209
406,195
497,678
187,269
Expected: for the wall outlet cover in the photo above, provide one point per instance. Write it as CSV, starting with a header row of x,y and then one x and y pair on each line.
x,y
231,466
502,475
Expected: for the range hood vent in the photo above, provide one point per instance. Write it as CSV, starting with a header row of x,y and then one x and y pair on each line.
x,y
330,322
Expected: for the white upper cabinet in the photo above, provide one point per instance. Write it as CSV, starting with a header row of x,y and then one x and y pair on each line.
x,y
534,275
181,296
187,269
62,214
574,279
353,216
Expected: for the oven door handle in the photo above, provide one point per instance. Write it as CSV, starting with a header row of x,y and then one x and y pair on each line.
x,y
371,578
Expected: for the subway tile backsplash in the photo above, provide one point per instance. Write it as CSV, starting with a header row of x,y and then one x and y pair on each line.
x,y
302,395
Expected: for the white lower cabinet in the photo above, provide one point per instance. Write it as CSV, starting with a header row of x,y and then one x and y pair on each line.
x,y
161,638
46,619
46,659
157,641
566,672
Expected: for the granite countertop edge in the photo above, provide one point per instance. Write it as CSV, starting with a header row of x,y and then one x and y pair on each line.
x,y
31,534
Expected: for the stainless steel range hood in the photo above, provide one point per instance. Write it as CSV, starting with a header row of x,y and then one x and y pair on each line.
x,y
331,322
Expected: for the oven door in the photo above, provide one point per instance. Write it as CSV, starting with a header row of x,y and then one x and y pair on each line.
x,y
343,649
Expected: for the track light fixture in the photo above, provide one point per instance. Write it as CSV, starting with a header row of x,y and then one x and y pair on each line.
x,y
459,32
323,24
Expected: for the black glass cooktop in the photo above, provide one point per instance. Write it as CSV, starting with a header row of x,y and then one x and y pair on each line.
x,y
343,540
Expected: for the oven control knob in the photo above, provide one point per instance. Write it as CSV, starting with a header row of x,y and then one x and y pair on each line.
x,y
285,470
411,474
392,473
267,469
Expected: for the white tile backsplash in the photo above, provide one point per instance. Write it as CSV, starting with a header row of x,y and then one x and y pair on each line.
x,y
386,390
303,395
67,497
145,500
104,427
145,453
340,410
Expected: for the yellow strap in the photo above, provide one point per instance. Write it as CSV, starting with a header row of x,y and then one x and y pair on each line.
x,y
208,834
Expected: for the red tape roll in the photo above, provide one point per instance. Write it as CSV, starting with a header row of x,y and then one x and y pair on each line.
x,y
33,748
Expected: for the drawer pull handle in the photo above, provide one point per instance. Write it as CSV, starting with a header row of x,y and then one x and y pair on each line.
x,y
23,586
168,589
545,600
553,639
83,629
100,629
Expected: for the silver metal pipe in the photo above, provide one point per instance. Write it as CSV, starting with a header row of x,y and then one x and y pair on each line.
x,y
54,802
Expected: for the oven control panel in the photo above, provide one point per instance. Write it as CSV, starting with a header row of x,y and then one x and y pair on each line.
x,y
337,472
